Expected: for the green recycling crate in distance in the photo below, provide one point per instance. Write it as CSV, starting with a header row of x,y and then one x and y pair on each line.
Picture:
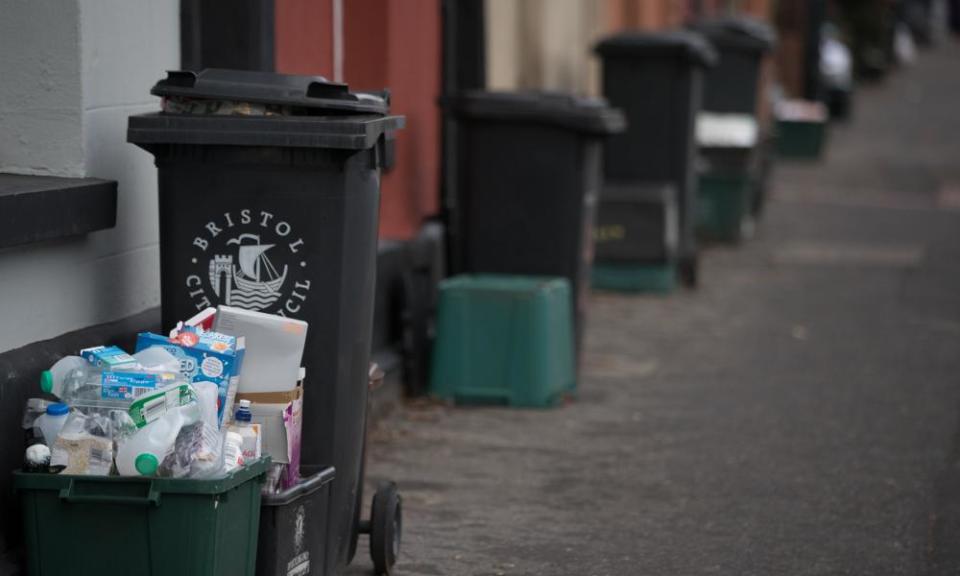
x,y
724,200
655,278
802,140
112,525
504,340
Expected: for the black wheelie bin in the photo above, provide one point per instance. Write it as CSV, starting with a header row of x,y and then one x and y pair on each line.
x,y
734,147
656,78
287,169
526,176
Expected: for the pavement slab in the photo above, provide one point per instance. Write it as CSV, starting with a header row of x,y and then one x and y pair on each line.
x,y
797,414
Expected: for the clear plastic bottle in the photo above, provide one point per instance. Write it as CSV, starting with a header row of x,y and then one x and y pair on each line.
x,y
50,423
250,432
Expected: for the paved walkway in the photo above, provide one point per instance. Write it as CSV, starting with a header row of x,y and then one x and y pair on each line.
x,y
796,415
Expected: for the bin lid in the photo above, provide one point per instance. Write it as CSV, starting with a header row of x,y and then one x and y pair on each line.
x,y
244,108
301,94
737,32
355,132
684,42
578,113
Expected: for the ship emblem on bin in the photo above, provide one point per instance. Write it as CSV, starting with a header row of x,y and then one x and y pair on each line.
x,y
254,283
249,259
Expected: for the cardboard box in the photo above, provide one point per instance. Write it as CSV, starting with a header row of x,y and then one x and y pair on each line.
x,y
280,415
205,357
108,357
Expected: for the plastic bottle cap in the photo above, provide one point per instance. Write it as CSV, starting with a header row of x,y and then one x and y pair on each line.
x,y
245,404
57,409
147,464
46,381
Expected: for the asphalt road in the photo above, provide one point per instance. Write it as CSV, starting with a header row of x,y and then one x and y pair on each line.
x,y
798,414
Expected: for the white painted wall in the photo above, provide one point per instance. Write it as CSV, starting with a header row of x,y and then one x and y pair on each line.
x,y
81,67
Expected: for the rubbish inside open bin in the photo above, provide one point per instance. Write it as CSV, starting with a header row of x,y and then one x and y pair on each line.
x,y
220,92
162,412
175,105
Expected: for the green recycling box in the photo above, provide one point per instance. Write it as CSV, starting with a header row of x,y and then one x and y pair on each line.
x,y
801,129
504,340
723,205
112,525
652,278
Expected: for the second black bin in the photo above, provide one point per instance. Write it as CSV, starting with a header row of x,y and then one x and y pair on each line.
x,y
733,86
293,527
657,80
526,174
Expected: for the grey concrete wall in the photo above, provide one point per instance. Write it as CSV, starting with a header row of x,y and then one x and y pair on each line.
x,y
40,91
81,67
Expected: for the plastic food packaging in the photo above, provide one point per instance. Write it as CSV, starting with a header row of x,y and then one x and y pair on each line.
x,y
84,445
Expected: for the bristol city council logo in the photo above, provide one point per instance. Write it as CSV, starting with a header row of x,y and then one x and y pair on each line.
x,y
251,260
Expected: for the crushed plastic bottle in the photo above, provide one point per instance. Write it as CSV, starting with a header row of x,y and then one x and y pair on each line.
x,y
142,453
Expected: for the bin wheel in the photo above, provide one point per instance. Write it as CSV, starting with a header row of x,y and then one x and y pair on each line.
x,y
689,271
386,526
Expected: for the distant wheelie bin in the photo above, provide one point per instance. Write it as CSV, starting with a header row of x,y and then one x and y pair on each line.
x,y
269,200
526,176
733,143
647,214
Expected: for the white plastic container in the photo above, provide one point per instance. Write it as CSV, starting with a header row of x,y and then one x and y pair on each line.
x,y
232,451
52,422
249,432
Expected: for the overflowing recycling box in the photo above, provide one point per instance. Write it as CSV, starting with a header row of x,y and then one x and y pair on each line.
x,y
159,526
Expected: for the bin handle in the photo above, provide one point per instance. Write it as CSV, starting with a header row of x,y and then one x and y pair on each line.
x,y
69,495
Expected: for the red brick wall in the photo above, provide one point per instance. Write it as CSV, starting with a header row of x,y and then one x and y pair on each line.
x,y
397,45
304,41
387,44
